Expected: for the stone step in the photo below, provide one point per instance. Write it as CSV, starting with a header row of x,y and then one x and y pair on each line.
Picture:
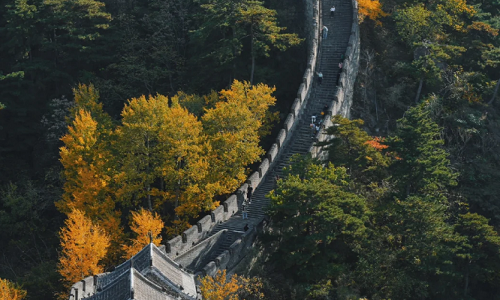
x,y
331,51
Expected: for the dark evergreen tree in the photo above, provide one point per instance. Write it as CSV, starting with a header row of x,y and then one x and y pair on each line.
x,y
318,225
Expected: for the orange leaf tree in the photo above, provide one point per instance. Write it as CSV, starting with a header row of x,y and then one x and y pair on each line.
x,y
10,291
144,224
84,245
88,164
371,9
161,156
237,287
218,288
159,142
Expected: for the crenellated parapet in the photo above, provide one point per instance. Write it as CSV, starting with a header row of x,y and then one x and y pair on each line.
x,y
188,239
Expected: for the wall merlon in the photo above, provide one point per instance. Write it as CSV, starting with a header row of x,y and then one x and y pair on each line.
x,y
264,166
254,180
305,78
289,122
206,224
302,92
191,236
222,260
281,138
218,214
173,246
235,247
296,108
273,151
210,269
231,206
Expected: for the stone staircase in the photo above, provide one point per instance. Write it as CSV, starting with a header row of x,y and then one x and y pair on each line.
x,y
228,240
331,51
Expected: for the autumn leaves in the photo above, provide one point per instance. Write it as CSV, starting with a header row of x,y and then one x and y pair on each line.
x,y
165,155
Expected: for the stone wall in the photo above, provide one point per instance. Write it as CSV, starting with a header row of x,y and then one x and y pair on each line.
x,y
341,104
342,101
183,243
194,258
230,258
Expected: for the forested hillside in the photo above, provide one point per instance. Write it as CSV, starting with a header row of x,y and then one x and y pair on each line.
x,y
121,122
114,106
407,205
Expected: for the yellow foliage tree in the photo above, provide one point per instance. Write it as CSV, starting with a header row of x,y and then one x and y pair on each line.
x,y
185,166
371,9
237,287
218,288
144,224
232,128
88,165
140,149
10,291
163,143
84,245
162,155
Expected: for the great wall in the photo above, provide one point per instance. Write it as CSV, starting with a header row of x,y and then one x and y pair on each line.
x,y
218,241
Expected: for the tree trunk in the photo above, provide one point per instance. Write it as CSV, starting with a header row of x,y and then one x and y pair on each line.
x,y
419,89
494,92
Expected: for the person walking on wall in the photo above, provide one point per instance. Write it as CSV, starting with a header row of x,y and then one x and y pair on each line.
x,y
249,194
244,210
340,66
320,78
332,11
246,228
325,32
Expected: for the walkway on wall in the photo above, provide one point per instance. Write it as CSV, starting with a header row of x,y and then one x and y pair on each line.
x,y
331,51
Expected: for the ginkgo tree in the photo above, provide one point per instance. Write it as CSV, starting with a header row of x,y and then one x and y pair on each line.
x,y
89,165
371,9
147,227
185,166
84,244
233,128
219,287
161,156
11,291
140,148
